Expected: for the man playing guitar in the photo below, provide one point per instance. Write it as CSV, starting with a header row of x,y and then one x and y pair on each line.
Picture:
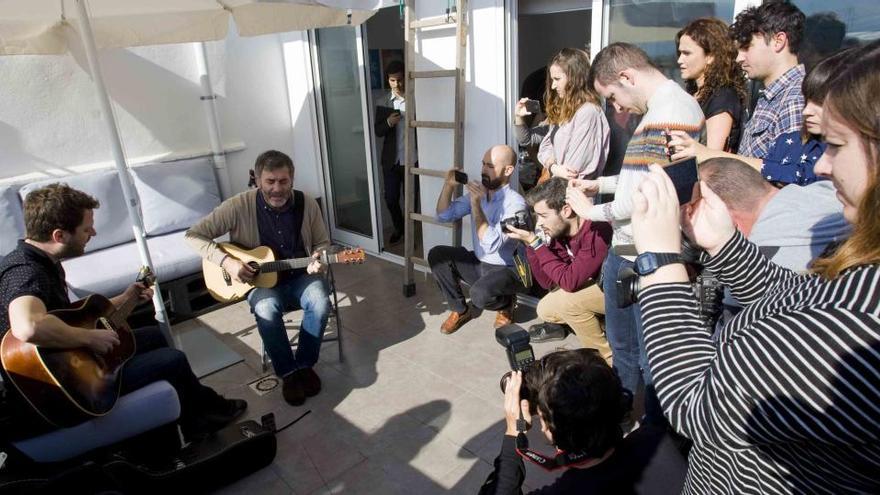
x,y
290,223
59,222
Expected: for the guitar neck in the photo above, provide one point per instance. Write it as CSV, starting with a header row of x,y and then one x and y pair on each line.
x,y
293,263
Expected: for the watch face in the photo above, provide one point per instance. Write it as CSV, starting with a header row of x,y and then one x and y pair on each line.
x,y
646,263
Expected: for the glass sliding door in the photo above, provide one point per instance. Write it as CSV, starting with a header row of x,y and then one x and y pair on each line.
x,y
339,64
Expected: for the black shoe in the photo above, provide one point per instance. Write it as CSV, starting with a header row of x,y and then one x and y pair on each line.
x,y
395,238
547,332
217,413
293,390
310,381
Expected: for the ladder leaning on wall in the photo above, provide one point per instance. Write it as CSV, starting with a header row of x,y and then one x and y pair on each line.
x,y
455,16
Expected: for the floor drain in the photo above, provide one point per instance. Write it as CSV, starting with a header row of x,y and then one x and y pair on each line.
x,y
264,385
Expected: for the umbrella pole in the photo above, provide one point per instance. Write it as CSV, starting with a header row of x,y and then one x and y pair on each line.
x,y
208,99
131,197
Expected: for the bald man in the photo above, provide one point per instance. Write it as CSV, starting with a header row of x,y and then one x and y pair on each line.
x,y
488,269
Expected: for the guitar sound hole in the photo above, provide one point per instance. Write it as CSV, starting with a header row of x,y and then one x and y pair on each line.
x,y
255,266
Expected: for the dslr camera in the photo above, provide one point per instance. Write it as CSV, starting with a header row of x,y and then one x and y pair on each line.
x,y
521,356
707,288
519,220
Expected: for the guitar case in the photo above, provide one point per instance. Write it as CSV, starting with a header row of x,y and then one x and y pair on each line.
x,y
231,454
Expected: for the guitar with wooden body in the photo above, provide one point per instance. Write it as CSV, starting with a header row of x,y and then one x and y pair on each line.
x,y
224,288
69,386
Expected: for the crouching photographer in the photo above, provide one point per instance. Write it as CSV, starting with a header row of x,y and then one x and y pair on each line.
x,y
580,403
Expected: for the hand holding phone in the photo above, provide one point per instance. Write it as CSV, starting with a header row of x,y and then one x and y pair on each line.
x,y
460,177
533,106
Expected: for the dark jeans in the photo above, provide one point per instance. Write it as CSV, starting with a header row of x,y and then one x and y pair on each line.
x,y
623,328
156,361
394,177
492,286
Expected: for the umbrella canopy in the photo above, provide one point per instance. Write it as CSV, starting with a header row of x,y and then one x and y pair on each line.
x,y
46,26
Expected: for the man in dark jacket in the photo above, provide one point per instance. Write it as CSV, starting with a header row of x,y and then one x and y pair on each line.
x,y
390,123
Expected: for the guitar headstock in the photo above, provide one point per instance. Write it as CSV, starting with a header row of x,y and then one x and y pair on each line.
x,y
146,276
351,256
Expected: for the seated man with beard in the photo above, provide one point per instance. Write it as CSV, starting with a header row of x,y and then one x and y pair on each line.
x,y
489,268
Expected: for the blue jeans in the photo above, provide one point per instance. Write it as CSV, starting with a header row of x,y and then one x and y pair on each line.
x,y
623,328
309,292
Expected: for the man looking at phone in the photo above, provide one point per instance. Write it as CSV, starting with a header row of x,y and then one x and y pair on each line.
x,y
567,261
629,81
390,124
488,269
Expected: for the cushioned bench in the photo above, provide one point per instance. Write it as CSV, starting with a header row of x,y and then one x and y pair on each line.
x,y
173,196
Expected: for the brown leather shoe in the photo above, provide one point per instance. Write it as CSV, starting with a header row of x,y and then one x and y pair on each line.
x,y
505,316
456,321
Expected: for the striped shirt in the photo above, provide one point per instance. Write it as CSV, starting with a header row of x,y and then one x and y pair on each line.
x,y
779,110
788,399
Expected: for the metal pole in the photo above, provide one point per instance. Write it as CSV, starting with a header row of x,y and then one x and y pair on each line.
x,y
209,104
131,197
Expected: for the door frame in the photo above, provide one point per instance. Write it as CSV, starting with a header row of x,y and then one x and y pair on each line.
x,y
343,236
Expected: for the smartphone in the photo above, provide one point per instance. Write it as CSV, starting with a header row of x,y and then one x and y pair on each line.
x,y
685,178
533,106
461,177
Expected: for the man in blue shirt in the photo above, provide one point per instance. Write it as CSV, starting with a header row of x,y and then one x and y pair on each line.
x,y
488,269
768,38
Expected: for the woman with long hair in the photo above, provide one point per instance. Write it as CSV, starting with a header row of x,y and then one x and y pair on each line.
x,y
577,144
786,399
707,59
793,156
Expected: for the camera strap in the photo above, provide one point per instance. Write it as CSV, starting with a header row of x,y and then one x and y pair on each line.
x,y
561,460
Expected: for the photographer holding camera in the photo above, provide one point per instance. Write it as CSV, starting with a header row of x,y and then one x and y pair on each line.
x,y
580,403
568,264
488,269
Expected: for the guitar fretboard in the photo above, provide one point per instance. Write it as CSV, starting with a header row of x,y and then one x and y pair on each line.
x,y
293,264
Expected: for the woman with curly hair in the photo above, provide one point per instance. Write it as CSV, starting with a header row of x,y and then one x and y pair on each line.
x,y
577,144
707,59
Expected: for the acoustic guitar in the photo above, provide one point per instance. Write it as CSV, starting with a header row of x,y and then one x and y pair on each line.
x,y
69,386
224,288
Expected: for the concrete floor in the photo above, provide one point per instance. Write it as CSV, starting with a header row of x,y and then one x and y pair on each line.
x,y
408,411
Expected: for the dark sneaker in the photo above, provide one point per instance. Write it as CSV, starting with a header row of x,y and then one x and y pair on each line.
x,y
217,413
310,381
547,332
293,390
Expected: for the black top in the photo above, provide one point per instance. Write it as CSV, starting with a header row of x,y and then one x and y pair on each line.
x,y
29,271
647,461
280,229
725,100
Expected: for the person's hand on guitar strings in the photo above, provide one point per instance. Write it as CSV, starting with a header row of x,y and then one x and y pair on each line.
x,y
100,340
316,266
240,272
139,290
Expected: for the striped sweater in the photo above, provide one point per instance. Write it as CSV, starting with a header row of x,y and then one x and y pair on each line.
x,y
788,399
669,108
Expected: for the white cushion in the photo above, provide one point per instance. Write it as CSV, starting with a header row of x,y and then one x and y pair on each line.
x,y
176,195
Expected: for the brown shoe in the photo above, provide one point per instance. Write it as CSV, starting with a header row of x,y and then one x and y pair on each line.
x,y
505,316
456,321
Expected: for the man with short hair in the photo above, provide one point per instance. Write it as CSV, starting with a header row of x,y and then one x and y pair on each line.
x,y
628,80
488,269
59,222
567,261
768,38
792,226
390,124
290,222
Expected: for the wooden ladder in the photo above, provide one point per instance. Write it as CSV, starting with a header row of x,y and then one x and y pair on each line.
x,y
453,17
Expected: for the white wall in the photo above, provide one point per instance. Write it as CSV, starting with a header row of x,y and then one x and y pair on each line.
x,y
485,108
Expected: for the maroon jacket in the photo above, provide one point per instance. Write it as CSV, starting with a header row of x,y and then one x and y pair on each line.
x,y
553,266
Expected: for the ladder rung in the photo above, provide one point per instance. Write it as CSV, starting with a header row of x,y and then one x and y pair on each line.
x,y
440,20
419,261
418,74
427,171
432,124
427,219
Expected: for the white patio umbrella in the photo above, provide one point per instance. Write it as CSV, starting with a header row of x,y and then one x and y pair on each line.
x,y
51,26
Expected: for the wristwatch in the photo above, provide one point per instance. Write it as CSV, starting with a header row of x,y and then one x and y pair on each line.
x,y
648,263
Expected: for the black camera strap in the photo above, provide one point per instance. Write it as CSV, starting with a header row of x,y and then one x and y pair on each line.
x,y
561,460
